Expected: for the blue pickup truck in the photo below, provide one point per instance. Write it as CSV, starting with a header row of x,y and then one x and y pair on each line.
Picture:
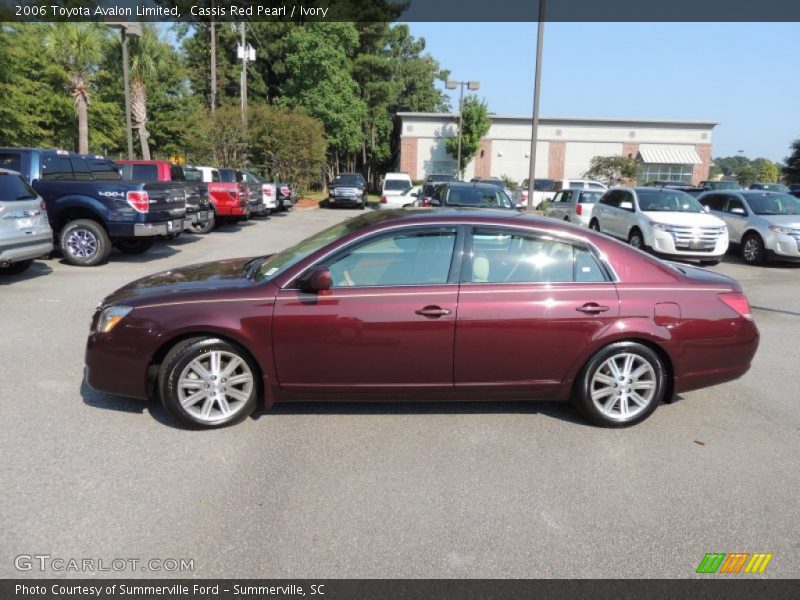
x,y
88,213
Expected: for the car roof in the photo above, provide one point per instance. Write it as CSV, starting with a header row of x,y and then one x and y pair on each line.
x,y
470,184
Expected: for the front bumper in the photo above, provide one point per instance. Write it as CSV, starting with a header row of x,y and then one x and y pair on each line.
x,y
663,242
783,246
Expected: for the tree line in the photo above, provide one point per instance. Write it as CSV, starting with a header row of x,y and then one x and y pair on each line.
x,y
321,96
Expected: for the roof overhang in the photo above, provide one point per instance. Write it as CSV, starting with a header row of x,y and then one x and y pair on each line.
x,y
667,154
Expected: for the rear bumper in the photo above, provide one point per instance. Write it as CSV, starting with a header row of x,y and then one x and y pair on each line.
x,y
194,219
31,247
165,228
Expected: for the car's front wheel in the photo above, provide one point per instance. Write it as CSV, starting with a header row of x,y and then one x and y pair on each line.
x,y
753,251
134,245
594,225
207,382
16,268
636,239
621,385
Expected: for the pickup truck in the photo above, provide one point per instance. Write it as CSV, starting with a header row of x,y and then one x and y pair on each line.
x,y
199,213
88,214
263,195
231,200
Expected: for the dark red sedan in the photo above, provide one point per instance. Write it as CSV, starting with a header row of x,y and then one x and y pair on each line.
x,y
445,305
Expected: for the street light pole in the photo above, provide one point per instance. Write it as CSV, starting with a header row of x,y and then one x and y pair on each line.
x,y
535,121
471,86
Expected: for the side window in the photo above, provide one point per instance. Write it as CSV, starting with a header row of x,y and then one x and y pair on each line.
x,y
80,169
104,170
714,202
626,201
176,173
215,175
144,172
55,167
576,185
409,258
511,257
736,206
568,196
559,197
611,198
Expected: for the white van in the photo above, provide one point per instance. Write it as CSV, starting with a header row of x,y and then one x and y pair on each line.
x,y
394,184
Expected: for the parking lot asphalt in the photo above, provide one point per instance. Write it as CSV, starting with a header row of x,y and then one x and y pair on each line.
x,y
478,490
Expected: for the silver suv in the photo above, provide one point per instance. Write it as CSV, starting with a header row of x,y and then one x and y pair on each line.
x,y
763,224
25,233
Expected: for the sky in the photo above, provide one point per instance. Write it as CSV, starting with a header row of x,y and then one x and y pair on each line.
x,y
742,75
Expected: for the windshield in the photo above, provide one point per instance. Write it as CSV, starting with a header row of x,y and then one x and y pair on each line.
x,y
396,184
773,204
481,197
353,180
278,263
544,185
668,201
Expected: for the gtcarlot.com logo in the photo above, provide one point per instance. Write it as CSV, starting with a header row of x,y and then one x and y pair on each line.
x,y
57,564
734,563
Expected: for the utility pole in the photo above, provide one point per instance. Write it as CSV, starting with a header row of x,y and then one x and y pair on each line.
x,y
245,56
213,66
535,122
126,79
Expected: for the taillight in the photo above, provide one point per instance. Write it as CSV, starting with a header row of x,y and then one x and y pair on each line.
x,y
737,302
579,209
42,205
139,201
284,190
384,200
267,189
525,195
426,202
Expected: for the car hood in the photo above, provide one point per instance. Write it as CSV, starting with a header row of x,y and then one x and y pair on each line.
x,y
684,218
203,277
792,221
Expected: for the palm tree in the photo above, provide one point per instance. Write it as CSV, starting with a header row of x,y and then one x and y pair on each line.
x,y
76,47
146,58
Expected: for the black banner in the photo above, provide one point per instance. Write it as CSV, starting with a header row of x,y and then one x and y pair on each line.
x,y
299,11
396,589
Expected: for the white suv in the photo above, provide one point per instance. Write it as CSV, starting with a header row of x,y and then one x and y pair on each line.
x,y
394,184
663,220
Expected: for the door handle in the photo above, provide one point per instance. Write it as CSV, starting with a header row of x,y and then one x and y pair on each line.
x,y
592,308
432,311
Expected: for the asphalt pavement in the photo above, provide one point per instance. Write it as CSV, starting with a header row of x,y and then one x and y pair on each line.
x,y
477,490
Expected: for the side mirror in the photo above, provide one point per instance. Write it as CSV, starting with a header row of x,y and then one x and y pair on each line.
x,y
705,208
315,280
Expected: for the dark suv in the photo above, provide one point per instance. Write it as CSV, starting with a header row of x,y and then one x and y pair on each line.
x,y
348,189
478,195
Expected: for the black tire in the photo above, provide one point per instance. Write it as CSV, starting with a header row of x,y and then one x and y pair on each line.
x,y
362,205
85,243
178,360
594,225
134,245
16,268
753,251
636,239
710,263
203,229
585,385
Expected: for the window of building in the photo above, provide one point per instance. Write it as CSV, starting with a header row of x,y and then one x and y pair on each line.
x,y
665,172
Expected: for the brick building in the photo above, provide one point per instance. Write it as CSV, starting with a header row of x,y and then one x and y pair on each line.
x,y
668,150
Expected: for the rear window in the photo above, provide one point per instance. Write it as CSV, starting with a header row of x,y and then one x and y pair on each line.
x,y
544,185
590,197
192,174
482,197
176,173
228,175
396,184
13,187
106,170
12,162
141,172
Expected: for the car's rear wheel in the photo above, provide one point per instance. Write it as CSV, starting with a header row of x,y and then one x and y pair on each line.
x,y
710,263
16,268
621,385
85,243
636,239
134,245
753,252
207,382
594,225
201,228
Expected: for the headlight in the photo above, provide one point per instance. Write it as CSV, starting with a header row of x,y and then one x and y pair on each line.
x,y
659,226
110,317
783,230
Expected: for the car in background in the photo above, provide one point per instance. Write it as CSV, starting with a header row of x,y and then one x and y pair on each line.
x,y
714,184
361,308
25,232
469,194
678,185
440,178
493,181
794,188
287,196
199,213
769,187
231,200
394,184
580,184
574,206
764,225
664,221
262,195
348,189
543,190
90,215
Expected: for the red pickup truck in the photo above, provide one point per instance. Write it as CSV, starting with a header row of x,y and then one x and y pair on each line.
x,y
199,212
231,200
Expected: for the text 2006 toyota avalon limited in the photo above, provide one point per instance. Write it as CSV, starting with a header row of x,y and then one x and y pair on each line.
x,y
440,305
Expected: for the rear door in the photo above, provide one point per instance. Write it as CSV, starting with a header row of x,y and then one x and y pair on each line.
x,y
528,305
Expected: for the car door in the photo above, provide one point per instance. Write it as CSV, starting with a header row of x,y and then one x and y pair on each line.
x,y
387,323
736,217
625,215
528,304
606,211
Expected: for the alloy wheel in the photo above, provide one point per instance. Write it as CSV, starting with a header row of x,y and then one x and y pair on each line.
x,y
750,250
215,386
623,386
82,243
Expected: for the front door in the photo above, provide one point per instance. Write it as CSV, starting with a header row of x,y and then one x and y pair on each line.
x,y
528,306
387,324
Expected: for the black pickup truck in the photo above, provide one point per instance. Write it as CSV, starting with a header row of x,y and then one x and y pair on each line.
x,y
89,213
